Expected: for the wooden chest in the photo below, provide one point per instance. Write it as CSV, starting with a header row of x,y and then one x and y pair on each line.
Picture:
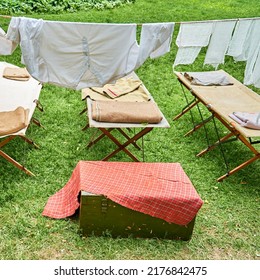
x,y
102,216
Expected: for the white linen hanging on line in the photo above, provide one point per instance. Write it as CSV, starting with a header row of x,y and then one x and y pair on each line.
x,y
219,42
239,40
252,49
255,77
75,55
191,38
7,47
155,41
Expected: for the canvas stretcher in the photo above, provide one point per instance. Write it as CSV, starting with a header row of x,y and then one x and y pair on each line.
x,y
221,101
22,94
131,132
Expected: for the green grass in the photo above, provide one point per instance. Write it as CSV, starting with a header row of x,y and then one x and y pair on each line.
x,y
227,226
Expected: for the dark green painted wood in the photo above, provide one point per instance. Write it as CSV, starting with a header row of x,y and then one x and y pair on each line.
x,y
100,216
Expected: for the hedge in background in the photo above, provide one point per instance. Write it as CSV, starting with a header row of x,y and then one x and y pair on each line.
x,y
55,6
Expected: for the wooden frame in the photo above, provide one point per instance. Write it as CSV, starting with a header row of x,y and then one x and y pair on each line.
x,y
12,95
106,129
222,101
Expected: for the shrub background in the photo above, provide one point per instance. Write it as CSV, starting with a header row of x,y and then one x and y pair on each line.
x,y
55,6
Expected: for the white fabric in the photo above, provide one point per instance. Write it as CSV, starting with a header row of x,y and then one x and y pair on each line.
x,y
239,39
255,77
247,119
6,46
208,78
190,39
18,93
186,55
2,32
219,42
195,34
252,73
247,48
155,41
76,55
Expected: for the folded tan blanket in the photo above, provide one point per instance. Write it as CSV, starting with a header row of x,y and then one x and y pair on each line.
x,y
13,121
125,89
121,87
17,74
208,78
126,112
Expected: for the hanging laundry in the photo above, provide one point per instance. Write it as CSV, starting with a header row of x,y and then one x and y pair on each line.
x,y
191,38
75,55
7,47
255,77
252,49
155,41
219,42
239,39
2,32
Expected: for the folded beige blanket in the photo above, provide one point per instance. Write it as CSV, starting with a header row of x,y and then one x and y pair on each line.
x,y
17,74
126,112
13,121
125,89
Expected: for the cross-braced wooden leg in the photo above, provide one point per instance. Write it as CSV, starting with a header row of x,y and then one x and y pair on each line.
x,y
10,159
122,147
15,163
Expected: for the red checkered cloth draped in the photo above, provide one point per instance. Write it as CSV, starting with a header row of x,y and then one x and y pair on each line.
x,y
161,190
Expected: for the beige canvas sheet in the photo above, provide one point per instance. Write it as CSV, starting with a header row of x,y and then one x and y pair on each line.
x,y
225,100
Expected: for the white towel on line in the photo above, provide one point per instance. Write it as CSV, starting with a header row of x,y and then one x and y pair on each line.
x,y
155,41
252,70
186,55
252,52
239,39
255,77
190,39
219,42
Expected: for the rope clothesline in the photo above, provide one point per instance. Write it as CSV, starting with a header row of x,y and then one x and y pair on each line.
x,y
184,22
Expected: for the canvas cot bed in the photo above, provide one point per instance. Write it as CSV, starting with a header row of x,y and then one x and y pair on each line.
x,y
222,100
19,96
133,114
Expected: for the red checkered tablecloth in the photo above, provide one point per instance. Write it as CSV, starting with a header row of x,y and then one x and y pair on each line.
x,y
162,190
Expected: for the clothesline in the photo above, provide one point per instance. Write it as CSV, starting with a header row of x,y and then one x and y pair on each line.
x,y
183,22
238,38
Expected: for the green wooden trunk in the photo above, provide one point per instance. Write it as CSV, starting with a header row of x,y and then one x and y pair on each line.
x,y
99,216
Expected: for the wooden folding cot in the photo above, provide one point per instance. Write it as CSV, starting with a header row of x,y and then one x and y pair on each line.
x,y
18,100
222,101
123,126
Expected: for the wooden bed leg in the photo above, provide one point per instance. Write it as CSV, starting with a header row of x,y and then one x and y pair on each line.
x,y
15,163
241,166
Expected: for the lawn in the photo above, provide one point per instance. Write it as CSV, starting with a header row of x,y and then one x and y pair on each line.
x,y
227,226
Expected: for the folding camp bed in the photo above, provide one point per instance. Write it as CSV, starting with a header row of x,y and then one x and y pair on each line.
x,y
222,101
137,130
18,99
